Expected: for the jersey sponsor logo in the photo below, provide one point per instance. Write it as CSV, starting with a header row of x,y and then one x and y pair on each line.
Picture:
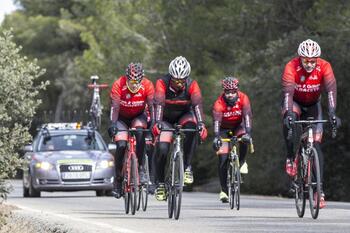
x,y
138,94
233,113
132,103
302,78
313,77
307,87
127,96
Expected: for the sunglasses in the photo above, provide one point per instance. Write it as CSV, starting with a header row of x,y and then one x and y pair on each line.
x,y
132,81
179,81
230,92
309,60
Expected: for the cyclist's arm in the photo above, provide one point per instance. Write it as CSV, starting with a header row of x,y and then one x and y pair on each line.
x,y
247,114
217,117
288,85
330,85
150,99
115,101
196,100
159,99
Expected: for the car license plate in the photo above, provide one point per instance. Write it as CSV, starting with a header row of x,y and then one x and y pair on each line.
x,y
75,175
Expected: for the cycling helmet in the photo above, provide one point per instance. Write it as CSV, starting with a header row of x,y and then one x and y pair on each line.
x,y
179,68
135,72
309,48
230,83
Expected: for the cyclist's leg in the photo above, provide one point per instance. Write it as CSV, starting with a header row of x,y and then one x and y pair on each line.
x,y
140,122
243,147
289,141
121,141
188,121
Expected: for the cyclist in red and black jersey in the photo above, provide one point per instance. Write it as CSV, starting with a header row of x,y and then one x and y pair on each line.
x,y
303,80
231,112
178,100
129,96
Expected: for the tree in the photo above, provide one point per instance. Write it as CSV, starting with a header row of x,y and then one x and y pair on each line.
x,y
18,101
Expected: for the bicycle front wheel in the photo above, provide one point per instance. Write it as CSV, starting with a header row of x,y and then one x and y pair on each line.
x,y
145,187
126,197
314,182
230,186
178,181
134,184
299,186
237,185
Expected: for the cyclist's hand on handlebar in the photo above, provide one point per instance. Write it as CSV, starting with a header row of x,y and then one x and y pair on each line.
x,y
217,143
289,119
203,132
335,123
156,128
246,138
113,130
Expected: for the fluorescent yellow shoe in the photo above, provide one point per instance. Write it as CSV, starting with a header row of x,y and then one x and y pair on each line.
x,y
223,197
188,176
244,168
161,193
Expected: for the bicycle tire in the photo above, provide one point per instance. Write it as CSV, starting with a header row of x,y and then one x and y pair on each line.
x,y
170,204
299,185
237,185
134,184
179,184
145,186
126,199
230,182
314,181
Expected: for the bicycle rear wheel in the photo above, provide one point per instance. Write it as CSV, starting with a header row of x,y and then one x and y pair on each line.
x,y
299,185
314,182
178,181
134,186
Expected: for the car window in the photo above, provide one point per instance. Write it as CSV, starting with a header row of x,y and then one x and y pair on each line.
x,y
69,142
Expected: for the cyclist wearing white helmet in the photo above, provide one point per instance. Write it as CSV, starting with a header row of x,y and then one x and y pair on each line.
x,y
178,100
303,80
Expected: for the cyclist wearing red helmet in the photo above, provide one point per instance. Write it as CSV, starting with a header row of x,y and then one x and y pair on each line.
x,y
178,100
303,79
131,97
231,112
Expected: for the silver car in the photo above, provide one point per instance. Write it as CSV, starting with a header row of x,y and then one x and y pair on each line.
x,y
64,157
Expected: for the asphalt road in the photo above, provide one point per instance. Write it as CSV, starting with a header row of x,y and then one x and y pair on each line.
x,y
201,212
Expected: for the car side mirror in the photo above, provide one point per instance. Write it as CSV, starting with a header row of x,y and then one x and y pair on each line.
x,y
112,146
28,148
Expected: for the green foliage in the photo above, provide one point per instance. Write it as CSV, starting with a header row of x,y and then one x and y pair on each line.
x,y
18,95
249,39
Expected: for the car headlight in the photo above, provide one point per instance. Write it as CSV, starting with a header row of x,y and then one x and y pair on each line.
x,y
104,164
43,165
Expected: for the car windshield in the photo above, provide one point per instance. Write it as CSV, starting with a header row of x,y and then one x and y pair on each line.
x,y
70,142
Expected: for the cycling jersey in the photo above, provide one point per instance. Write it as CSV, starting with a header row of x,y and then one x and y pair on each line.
x,y
172,104
127,104
305,88
228,117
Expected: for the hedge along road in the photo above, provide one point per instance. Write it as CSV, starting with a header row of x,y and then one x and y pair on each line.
x,y
201,212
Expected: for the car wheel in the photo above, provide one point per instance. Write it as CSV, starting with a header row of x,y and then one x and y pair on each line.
x,y
32,191
100,193
25,189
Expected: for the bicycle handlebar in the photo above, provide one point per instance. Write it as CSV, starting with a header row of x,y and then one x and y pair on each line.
x,y
237,139
100,86
309,121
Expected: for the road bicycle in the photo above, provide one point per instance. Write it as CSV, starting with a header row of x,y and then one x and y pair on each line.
x,y
131,180
233,169
175,176
96,107
307,182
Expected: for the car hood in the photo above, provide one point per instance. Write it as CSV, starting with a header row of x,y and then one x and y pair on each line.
x,y
73,156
